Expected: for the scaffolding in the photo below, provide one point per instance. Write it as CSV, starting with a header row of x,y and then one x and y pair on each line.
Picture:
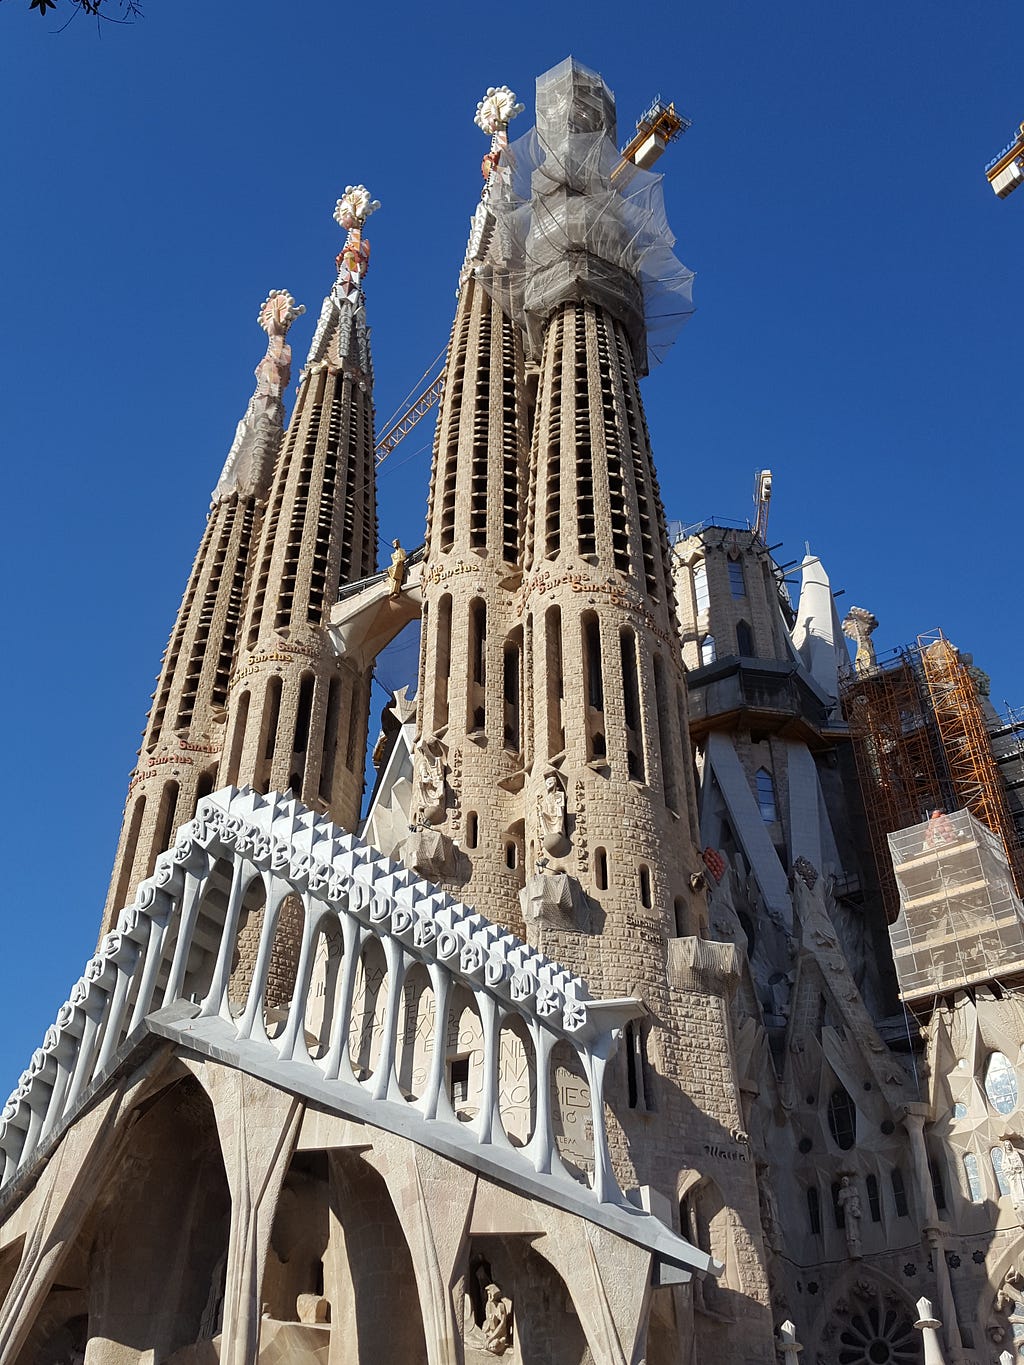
x,y
960,922
899,756
973,767
921,743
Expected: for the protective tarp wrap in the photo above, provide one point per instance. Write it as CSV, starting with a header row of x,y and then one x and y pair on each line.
x,y
960,921
573,222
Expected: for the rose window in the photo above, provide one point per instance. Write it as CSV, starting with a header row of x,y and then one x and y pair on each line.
x,y
878,1333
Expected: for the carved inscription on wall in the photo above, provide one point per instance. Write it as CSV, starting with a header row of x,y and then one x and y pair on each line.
x,y
580,832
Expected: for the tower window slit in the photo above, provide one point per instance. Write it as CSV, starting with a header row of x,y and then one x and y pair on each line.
x,y
601,869
513,691
555,680
442,661
597,747
355,745
631,705
128,853
476,717
164,824
303,714
667,740
237,739
644,878
332,722
271,716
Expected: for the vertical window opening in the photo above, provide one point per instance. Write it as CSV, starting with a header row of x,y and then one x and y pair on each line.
x,y
458,1081
477,716
632,1086
472,829
899,1192
272,711
707,650
938,1184
842,1119
601,869
556,681
645,886
513,690
631,702
597,747
669,774
765,795
303,714
744,640
164,824
814,1211
701,595
736,584
838,1212
442,662
874,1199
679,909
972,1174
237,740
128,857
332,724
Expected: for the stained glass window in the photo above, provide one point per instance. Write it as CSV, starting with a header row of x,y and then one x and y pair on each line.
x,y
1001,1083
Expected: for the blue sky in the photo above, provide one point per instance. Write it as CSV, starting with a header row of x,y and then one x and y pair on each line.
x,y
859,297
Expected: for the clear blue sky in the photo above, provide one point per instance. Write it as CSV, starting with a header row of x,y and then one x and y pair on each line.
x,y
859,292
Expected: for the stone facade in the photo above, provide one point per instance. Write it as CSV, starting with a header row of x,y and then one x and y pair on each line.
x,y
590,1052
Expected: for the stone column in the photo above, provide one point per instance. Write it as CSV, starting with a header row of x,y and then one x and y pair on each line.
x,y
928,1325
788,1344
934,1234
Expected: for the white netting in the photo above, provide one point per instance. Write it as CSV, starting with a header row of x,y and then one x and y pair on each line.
x,y
571,221
960,920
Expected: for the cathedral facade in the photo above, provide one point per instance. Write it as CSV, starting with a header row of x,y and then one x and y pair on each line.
x,y
662,1006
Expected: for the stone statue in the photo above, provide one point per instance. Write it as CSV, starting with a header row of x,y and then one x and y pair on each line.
x,y
396,570
770,1222
551,816
429,781
1013,1174
497,1329
849,1201
859,626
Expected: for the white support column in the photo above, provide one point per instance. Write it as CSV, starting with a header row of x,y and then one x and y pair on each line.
x,y
928,1325
788,1344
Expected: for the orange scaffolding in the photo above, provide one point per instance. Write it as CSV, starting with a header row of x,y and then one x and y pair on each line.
x,y
965,739
899,757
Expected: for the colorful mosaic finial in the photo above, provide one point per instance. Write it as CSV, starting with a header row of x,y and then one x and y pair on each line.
x,y
278,311
354,207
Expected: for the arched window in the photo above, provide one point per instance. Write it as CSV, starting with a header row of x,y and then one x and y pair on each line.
x,y
1001,1083
874,1202
736,584
842,1119
707,650
645,886
766,795
471,829
973,1177
601,869
744,640
701,596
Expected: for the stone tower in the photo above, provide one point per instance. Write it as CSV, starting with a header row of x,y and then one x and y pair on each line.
x,y
297,713
470,723
184,735
252,690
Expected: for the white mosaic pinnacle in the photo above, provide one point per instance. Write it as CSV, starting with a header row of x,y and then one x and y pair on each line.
x,y
354,207
278,311
497,109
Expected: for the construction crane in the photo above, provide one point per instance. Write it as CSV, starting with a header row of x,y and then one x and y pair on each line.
x,y
1006,171
657,126
762,498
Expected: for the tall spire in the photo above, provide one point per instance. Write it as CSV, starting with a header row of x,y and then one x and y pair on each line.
x,y
250,462
297,711
470,727
184,735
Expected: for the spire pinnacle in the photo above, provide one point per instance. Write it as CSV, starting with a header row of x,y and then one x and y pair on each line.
x,y
493,114
250,460
351,213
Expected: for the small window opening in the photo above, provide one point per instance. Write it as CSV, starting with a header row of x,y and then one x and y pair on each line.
x,y
744,640
838,1212
973,1177
842,1119
631,703
814,1211
938,1184
303,714
471,829
874,1198
701,596
899,1193
736,584
458,1081
707,650
601,869
645,886
679,909
766,796
477,664
511,854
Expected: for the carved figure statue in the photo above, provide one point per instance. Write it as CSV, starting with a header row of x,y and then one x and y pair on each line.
x,y
771,1224
551,816
1013,1174
429,781
396,570
849,1201
859,625
496,1323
